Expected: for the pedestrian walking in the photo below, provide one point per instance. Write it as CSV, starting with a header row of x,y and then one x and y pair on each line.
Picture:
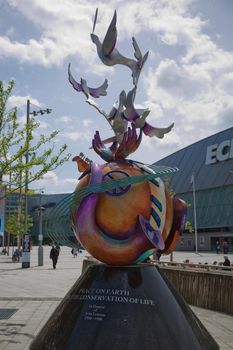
x,y
218,247
74,252
54,253
58,248
225,247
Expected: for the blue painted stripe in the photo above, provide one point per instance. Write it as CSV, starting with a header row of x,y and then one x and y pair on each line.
x,y
156,202
154,182
155,217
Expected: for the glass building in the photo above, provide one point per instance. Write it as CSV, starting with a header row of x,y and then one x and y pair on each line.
x,y
206,174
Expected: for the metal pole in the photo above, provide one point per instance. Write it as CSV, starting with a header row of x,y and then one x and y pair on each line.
x,y
40,248
195,214
19,208
26,257
26,169
8,234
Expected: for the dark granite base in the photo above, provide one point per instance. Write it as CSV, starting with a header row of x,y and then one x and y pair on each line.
x,y
123,308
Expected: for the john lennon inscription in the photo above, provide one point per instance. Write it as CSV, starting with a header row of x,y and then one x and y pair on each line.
x,y
97,312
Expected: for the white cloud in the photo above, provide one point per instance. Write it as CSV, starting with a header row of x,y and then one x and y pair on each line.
x,y
21,101
195,88
226,81
65,27
65,119
50,176
43,124
52,183
48,180
77,135
70,181
57,24
87,123
179,80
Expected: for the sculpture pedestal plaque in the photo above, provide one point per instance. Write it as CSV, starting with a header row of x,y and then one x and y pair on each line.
x,y
123,308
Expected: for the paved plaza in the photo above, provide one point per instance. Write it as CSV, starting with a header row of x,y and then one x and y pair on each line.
x,y
33,294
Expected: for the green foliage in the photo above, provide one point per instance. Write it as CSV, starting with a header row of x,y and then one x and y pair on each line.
x,y
10,133
188,226
16,142
15,223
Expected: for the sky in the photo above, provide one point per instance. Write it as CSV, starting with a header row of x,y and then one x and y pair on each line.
x,y
187,78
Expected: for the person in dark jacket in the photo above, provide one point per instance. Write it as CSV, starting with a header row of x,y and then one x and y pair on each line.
x,y
226,262
54,256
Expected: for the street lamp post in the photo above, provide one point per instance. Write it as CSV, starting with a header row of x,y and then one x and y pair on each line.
x,y
40,248
26,257
26,240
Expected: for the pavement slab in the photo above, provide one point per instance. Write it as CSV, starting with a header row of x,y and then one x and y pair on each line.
x,y
36,292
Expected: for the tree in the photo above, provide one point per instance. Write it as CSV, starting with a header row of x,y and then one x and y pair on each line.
x,y
15,224
16,142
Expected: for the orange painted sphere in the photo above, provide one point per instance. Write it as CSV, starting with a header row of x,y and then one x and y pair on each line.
x,y
118,214
108,223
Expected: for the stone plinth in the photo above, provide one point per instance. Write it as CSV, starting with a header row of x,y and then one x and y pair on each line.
x,y
123,308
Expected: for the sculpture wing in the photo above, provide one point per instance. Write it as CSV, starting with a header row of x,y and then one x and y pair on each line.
x,y
137,51
73,82
122,100
100,91
110,37
130,112
129,144
151,131
105,153
95,20
112,113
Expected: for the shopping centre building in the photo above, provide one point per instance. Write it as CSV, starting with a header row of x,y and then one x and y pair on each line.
x,y
205,176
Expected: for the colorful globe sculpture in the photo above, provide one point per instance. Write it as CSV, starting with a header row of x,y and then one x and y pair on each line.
x,y
125,224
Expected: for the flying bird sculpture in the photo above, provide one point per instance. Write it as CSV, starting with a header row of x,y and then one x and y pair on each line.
x,y
109,54
124,118
138,118
118,151
94,92
116,118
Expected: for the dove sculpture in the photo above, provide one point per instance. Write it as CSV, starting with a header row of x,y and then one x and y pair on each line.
x,y
109,54
138,118
94,92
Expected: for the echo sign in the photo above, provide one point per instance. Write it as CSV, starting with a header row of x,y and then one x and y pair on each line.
x,y
219,153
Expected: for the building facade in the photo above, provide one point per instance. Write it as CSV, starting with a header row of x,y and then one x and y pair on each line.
x,y
50,214
205,176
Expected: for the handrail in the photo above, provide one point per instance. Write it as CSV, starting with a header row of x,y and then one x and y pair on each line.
x,y
196,266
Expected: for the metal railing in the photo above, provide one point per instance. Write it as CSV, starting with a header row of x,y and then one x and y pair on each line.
x,y
194,266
